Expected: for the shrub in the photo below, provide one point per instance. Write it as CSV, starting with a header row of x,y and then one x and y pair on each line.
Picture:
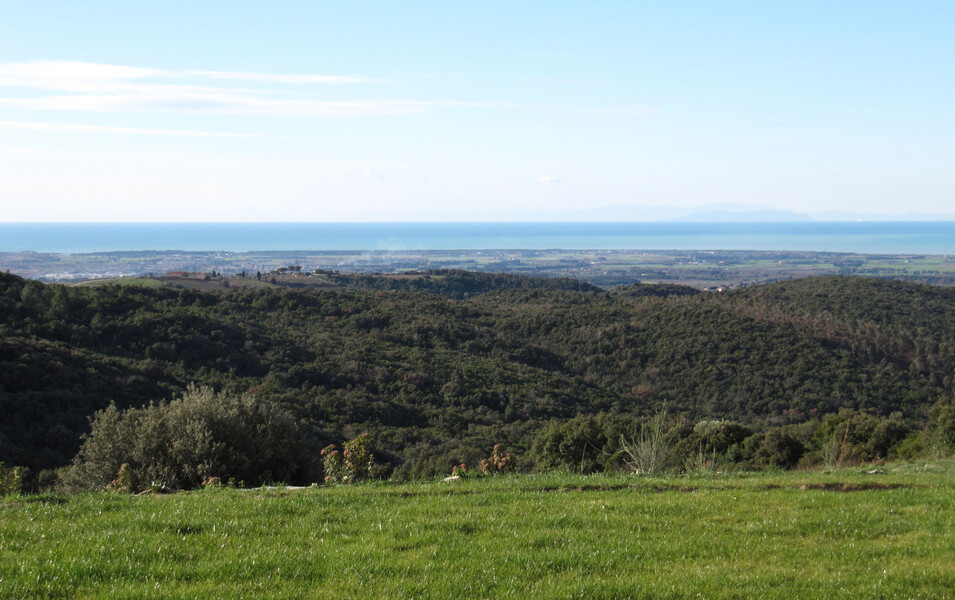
x,y
886,437
575,445
333,464
940,433
499,462
358,458
126,480
11,480
718,435
583,444
353,464
181,443
851,436
46,480
779,450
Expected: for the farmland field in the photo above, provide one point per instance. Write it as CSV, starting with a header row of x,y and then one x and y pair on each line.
x,y
886,532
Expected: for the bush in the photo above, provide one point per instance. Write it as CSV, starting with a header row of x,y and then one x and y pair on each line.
x,y
718,435
180,444
852,436
886,437
499,462
583,444
940,433
11,480
126,480
353,464
46,480
333,464
779,450
358,458
576,445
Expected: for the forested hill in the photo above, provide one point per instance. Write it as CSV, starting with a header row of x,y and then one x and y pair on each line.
x,y
434,377
458,284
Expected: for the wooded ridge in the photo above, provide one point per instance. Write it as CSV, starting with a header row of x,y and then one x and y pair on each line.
x,y
439,376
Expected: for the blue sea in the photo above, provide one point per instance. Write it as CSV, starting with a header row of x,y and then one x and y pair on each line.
x,y
874,237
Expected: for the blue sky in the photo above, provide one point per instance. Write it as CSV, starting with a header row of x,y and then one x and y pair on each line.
x,y
368,111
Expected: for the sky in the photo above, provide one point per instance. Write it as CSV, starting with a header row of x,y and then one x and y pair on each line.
x,y
483,111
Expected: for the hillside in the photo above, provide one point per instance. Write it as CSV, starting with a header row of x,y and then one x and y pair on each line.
x,y
439,377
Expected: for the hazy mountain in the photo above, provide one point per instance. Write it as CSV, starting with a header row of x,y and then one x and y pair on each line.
x,y
841,215
704,212
765,215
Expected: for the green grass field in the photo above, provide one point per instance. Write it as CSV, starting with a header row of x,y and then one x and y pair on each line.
x,y
847,534
134,281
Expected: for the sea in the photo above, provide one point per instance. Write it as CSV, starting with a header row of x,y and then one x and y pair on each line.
x,y
869,237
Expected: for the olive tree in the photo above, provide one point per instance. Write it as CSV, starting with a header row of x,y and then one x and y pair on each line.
x,y
179,444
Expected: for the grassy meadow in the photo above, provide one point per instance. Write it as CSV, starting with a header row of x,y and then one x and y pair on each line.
x,y
847,534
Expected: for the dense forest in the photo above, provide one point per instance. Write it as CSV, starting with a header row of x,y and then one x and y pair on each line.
x,y
437,372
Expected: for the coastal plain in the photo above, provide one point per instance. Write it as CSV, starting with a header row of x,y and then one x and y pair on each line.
x,y
702,269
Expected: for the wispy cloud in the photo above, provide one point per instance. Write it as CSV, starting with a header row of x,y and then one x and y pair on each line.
x,y
547,179
276,78
226,104
76,76
631,111
68,128
117,88
72,76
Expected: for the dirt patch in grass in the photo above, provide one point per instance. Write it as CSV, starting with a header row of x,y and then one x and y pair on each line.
x,y
687,489
445,492
601,487
595,487
836,486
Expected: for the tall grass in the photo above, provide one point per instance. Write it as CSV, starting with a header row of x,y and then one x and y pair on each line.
x,y
650,452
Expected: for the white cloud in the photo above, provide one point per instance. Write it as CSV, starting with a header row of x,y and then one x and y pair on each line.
x,y
226,104
275,78
547,179
57,127
76,76
116,88
72,76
